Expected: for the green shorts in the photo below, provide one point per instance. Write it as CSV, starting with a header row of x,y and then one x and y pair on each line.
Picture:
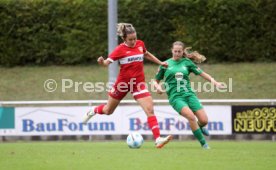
x,y
189,101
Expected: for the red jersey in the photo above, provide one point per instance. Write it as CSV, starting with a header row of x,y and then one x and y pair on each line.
x,y
131,61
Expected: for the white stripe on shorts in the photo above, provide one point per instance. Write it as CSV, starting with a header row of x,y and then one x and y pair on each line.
x,y
154,127
140,92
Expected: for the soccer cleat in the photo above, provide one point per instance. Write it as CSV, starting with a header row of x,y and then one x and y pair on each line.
x,y
206,146
204,131
161,141
88,115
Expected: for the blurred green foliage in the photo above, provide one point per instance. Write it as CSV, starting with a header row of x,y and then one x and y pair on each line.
x,y
69,32
52,32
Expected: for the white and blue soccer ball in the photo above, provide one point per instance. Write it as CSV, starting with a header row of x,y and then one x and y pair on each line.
x,y
134,140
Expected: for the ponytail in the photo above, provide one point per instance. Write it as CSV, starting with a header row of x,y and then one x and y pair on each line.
x,y
123,29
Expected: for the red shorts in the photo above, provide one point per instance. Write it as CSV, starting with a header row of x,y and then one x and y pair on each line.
x,y
120,89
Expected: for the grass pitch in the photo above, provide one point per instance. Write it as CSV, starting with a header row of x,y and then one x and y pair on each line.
x,y
111,155
249,81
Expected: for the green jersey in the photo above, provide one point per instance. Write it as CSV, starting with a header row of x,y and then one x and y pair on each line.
x,y
177,81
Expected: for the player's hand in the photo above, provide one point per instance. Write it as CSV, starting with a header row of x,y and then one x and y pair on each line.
x,y
159,90
164,64
220,85
100,60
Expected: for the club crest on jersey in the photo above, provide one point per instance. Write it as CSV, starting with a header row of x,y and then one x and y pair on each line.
x,y
140,49
178,76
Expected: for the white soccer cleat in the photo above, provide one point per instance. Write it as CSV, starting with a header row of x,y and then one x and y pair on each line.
x,y
88,115
161,141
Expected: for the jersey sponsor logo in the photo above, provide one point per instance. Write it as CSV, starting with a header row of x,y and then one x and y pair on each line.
x,y
139,58
131,59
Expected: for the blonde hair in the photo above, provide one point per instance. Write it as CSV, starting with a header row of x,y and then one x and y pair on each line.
x,y
123,29
194,55
179,43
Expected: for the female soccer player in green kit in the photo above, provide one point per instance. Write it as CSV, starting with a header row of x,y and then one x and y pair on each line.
x,y
178,88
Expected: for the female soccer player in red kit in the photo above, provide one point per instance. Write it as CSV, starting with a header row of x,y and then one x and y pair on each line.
x,y
131,78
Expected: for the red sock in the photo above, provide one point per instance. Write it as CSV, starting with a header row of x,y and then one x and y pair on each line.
x,y
99,109
153,124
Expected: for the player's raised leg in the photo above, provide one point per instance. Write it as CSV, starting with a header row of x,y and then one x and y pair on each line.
x,y
102,109
147,104
202,121
187,113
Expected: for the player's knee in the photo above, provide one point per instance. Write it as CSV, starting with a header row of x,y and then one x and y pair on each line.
x,y
203,122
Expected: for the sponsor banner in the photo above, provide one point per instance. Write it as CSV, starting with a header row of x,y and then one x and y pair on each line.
x,y
254,119
67,120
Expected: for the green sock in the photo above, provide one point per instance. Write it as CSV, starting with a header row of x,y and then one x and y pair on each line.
x,y
198,134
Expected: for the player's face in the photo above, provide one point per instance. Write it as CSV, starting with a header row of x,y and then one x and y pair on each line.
x,y
177,51
130,40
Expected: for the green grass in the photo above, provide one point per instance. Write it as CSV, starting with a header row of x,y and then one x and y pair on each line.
x,y
116,155
250,80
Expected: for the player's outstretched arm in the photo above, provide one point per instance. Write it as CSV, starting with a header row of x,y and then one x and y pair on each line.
x,y
211,79
101,61
154,59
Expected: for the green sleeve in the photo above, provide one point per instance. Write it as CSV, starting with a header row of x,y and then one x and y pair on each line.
x,y
160,73
195,69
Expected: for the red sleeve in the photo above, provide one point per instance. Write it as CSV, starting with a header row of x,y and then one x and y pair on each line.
x,y
144,47
115,55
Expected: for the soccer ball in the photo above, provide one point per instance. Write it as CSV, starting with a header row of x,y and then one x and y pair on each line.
x,y
134,140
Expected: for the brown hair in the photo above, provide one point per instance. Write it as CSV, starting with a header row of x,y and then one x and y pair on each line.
x,y
123,29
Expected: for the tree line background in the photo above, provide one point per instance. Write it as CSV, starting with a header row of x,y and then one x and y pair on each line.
x,y
70,32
